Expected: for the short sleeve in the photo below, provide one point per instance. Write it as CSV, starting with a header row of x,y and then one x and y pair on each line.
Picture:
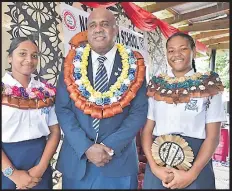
x,y
151,109
215,112
52,119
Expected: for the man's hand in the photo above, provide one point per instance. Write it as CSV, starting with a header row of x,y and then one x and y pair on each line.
x,y
163,173
98,154
182,179
23,180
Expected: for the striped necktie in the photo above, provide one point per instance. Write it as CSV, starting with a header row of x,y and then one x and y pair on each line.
x,y
101,84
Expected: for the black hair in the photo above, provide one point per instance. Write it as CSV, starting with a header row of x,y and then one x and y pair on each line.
x,y
16,41
191,42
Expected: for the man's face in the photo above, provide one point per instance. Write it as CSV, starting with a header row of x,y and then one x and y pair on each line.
x,y
102,31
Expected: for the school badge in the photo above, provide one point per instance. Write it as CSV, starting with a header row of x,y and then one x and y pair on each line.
x,y
173,151
192,105
69,20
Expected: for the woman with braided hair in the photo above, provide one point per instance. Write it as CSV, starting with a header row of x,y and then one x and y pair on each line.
x,y
184,119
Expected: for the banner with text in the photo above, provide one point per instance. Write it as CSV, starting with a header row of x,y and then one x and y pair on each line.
x,y
75,20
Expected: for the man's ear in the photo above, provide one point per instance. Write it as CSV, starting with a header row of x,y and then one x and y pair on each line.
x,y
9,59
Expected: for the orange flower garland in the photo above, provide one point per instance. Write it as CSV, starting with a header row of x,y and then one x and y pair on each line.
x,y
104,111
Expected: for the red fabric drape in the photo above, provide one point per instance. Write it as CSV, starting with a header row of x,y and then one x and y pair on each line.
x,y
144,20
97,4
139,17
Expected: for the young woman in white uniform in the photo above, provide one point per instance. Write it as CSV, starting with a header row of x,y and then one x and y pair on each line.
x,y
187,104
30,131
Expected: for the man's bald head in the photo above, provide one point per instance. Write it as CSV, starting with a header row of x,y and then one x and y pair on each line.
x,y
102,30
101,11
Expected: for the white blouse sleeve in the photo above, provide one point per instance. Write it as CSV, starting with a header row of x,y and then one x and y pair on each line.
x,y
52,119
215,112
151,109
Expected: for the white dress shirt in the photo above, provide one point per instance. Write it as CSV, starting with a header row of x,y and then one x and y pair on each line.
x,y
183,118
109,62
20,125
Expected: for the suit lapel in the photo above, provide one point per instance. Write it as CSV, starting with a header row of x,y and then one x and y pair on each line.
x,y
117,69
90,70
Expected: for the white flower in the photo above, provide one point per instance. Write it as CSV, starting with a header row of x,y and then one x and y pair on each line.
x,y
113,99
193,88
185,92
92,99
77,64
202,87
158,88
80,49
163,91
169,92
78,82
128,50
126,81
134,66
210,83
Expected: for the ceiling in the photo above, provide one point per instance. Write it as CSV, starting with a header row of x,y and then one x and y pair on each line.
x,y
207,22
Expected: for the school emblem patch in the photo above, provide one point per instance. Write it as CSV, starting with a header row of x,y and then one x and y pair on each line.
x,y
192,105
69,20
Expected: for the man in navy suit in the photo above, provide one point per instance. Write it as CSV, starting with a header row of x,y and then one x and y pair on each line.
x,y
105,158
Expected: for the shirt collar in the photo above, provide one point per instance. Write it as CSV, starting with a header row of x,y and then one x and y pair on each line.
x,y
9,80
189,73
109,55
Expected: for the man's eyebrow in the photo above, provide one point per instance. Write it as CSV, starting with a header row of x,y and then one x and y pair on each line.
x,y
88,23
184,45
100,21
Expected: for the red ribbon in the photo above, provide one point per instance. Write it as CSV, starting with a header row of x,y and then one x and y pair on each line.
x,y
145,20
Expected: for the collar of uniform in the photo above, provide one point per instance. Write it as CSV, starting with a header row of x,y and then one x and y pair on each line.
x,y
109,55
9,80
189,73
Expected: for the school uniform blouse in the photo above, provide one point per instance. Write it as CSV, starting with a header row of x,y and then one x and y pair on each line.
x,y
187,119
20,125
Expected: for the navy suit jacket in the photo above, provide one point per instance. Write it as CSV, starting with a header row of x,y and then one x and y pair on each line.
x,y
117,132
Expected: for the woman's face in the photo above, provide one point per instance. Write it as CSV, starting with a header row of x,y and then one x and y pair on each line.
x,y
180,54
24,58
